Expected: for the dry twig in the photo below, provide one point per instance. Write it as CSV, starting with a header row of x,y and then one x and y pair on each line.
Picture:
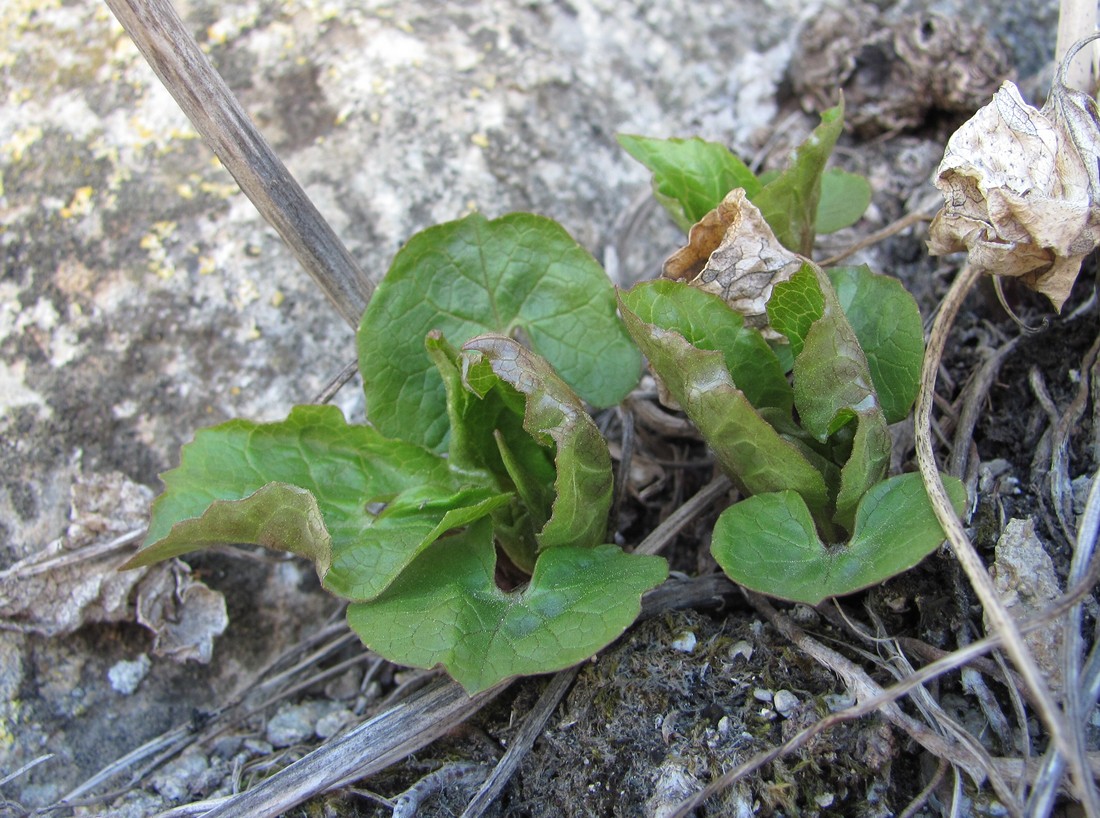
x,y
1000,622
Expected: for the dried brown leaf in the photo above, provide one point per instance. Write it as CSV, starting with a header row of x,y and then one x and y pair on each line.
x,y
76,580
1021,189
733,253
183,613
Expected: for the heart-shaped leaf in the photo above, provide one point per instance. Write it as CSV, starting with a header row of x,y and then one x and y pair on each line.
x,y
768,542
517,274
307,485
690,176
446,609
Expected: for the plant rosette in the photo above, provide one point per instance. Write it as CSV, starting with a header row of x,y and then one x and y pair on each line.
x,y
468,451
790,372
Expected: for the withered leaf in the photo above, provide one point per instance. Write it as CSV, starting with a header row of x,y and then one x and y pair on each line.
x,y
1021,187
733,253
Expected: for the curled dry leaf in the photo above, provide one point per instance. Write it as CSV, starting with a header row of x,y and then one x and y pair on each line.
x,y
733,253
1021,190
76,580
184,614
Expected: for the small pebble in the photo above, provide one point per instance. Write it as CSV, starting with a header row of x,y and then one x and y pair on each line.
x,y
762,694
125,676
839,701
741,648
785,702
292,725
825,800
804,615
258,747
174,781
331,723
226,746
684,642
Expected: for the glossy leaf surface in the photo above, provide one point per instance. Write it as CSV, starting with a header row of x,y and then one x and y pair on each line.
x,y
768,542
517,274
690,176
446,609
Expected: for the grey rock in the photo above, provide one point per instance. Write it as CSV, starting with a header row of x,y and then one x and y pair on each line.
x,y
293,724
125,676
178,779
785,702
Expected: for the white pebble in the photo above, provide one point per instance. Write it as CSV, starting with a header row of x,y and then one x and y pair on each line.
x,y
785,702
125,676
684,642
741,648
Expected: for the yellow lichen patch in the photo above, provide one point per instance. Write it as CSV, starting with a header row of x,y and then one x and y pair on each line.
x,y
7,739
277,298
153,245
220,190
480,139
247,292
22,139
80,204
207,265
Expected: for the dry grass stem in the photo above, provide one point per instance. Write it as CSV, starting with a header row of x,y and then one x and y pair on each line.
x,y
968,558
532,727
170,49
973,398
663,534
892,229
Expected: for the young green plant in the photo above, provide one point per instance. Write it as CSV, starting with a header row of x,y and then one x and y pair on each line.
x,y
791,374
467,451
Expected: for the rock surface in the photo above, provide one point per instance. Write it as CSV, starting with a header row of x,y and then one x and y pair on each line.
x,y
142,297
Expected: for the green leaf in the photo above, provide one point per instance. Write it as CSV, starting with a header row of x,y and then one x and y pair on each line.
x,y
746,446
707,323
690,176
789,203
888,325
844,199
554,416
832,382
276,515
833,387
489,444
445,608
305,485
795,305
768,542
517,274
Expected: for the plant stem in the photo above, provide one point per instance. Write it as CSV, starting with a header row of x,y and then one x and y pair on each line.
x,y
1000,620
